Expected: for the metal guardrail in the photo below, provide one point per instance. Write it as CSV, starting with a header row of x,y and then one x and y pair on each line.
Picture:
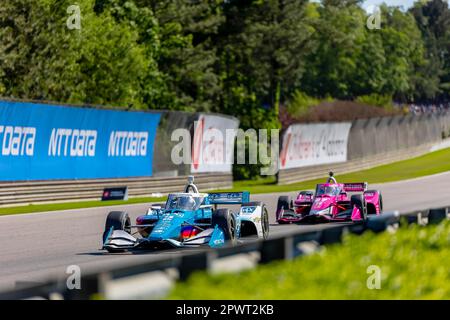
x,y
154,278
32,192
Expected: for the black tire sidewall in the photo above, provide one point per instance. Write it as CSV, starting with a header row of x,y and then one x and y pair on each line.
x,y
225,219
283,202
118,220
265,222
359,201
381,202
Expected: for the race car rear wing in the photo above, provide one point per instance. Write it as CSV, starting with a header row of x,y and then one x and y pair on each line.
x,y
229,197
355,187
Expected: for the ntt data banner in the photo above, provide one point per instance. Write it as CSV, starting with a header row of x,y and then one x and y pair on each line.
x,y
313,144
41,142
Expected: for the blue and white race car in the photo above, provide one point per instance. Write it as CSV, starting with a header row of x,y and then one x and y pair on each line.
x,y
188,219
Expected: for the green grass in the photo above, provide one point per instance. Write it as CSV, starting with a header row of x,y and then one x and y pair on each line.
x,y
428,164
414,264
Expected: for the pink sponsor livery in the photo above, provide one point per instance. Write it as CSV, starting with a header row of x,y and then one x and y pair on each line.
x,y
331,202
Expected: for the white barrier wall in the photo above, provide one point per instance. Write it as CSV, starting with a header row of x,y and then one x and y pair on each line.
x,y
308,150
313,144
213,144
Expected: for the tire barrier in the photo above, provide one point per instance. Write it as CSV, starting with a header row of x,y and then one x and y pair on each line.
x,y
159,276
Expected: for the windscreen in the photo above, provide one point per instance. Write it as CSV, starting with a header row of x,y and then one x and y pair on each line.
x,y
327,190
183,202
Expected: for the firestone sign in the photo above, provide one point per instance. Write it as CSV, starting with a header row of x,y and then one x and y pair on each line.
x,y
212,146
313,144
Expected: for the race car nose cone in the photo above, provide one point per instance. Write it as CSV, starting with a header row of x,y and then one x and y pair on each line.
x,y
153,238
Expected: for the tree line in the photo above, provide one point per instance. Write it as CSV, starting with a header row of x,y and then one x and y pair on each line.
x,y
240,57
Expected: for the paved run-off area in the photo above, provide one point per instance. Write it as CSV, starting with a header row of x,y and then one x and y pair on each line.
x,y
35,246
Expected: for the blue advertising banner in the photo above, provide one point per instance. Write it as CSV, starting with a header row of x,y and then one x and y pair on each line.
x,y
43,142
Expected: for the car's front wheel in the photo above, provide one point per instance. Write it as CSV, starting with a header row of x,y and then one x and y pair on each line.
x,y
357,200
116,220
225,220
283,204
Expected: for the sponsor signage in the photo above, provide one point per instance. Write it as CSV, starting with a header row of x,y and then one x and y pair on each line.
x,y
355,187
313,144
213,144
43,142
117,193
229,197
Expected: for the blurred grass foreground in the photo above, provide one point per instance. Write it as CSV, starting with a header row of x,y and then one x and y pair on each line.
x,y
414,262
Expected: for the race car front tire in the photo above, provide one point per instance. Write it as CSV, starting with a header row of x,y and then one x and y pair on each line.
x,y
249,228
284,202
358,201
118,220
371,210
225,220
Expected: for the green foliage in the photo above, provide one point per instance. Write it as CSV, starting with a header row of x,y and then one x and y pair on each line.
x,y
404,49
300,104
261,49
352,60
180,33
413,262
243,58
383,101
340,34
254,118
42,59
433,20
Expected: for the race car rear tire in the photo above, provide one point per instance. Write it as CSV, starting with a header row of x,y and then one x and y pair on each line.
x,y
284,202
118,220
381,203
358,201
225,220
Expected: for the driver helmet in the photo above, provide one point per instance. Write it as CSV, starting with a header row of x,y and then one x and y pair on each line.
x,y
186,202
173,203
331,178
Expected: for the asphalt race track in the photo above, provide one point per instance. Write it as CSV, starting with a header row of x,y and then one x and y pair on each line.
x,y
35,246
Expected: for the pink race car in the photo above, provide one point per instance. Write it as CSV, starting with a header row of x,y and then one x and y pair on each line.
x,y
330,203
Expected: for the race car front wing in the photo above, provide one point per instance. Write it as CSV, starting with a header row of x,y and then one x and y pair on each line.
x,y
121,240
